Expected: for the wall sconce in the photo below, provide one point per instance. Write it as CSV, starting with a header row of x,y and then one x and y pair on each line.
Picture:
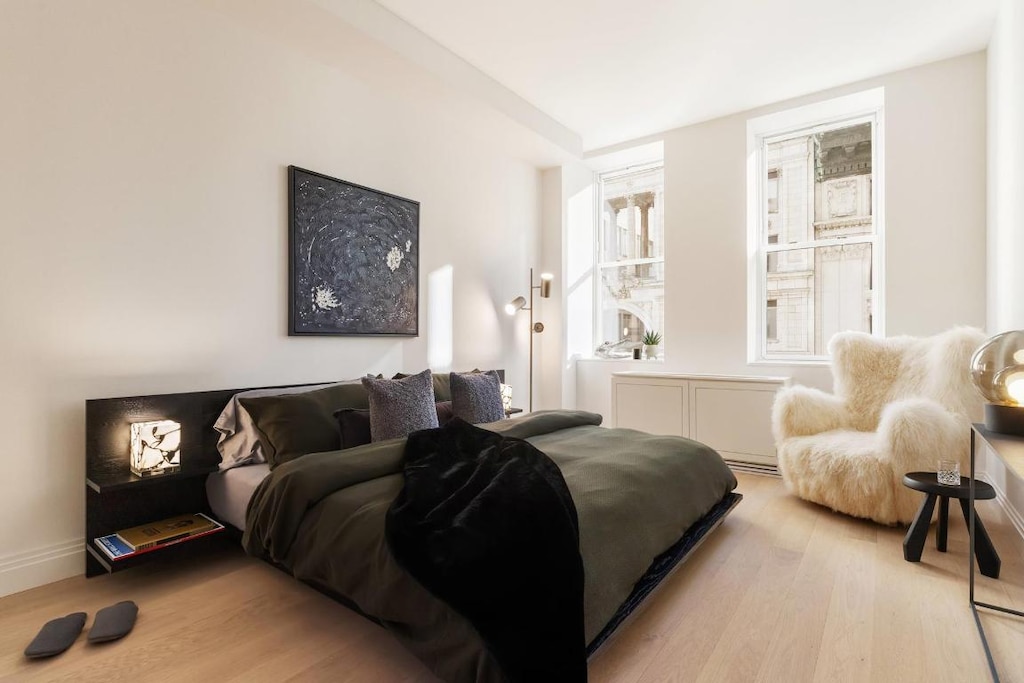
x,y
997,369
519,304
155,448
515,305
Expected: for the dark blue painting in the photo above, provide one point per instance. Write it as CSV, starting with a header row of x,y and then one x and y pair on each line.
x,y
353,257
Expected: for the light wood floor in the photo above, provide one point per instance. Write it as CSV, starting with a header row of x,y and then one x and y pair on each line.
x,y
782,591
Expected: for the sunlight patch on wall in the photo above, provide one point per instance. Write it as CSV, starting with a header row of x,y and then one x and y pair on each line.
x,y
440,318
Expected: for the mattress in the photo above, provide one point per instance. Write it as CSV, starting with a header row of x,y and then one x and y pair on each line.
x,y
229,492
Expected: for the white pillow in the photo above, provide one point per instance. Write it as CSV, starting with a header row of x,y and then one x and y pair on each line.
x,y
239,442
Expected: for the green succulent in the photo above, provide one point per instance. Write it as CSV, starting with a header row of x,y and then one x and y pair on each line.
x,y
652,338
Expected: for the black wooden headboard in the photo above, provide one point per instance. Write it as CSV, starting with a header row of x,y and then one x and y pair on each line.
x,y
107,423
117,499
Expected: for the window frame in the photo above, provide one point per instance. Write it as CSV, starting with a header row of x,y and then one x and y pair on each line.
x,y
599,251
862,107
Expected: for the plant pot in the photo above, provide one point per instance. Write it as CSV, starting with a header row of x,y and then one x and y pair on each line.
x,y
650,351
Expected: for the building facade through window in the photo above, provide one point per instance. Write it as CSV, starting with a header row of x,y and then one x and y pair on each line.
x,y
816,231
631,254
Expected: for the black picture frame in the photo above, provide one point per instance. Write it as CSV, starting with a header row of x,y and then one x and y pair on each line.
x,y
353,259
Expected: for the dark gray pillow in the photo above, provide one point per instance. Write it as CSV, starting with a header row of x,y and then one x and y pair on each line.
x,y
354,427
399,407
444,412
476,396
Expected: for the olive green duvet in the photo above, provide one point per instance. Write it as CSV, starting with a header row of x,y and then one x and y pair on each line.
x,y
321,517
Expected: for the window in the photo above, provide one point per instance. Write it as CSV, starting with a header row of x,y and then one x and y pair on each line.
x,y
631,253
772,193
814,226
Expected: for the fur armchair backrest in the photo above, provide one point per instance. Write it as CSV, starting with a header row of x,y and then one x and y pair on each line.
x,y
870,372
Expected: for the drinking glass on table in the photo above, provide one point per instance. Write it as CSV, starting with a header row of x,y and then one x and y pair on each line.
x,y
949,472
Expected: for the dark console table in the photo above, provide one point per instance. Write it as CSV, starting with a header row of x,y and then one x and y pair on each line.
x,y
1010,450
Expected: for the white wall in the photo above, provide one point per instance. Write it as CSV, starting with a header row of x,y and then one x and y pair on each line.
x,y
1006,169
143,220
547,344
935,224
1006,201
568,253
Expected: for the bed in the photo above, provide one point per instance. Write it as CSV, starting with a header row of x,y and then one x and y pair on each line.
x,y
642,502
229,491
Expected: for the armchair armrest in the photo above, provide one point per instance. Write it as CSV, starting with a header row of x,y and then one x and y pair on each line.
x,y
802,411
916,432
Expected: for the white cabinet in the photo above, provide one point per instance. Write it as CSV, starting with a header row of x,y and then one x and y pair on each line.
x,y
729,413
656,406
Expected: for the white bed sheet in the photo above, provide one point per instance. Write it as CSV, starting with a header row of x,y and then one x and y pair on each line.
x,y
229,491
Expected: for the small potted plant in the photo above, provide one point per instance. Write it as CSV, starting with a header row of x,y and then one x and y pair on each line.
x,y
651,341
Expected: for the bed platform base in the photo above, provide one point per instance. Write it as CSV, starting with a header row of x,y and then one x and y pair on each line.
x,y
663,566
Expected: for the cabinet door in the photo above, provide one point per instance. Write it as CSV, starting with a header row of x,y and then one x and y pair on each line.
x,y
658,408
734,418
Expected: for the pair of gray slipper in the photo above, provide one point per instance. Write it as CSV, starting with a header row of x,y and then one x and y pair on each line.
x,y
57,635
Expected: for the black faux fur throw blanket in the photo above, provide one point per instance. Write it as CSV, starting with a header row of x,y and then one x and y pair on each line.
x,y
486,523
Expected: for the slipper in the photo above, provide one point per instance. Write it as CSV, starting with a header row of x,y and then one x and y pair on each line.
x,y
56,636
113,622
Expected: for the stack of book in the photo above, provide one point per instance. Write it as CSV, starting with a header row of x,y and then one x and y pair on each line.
x,y
146,537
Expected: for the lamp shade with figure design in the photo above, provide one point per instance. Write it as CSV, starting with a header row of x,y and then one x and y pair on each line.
x,y
155,447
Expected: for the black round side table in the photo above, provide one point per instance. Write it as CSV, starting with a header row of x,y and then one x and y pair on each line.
x,y
927,482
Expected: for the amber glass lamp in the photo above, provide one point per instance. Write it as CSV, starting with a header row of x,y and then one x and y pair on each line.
x,y
997,369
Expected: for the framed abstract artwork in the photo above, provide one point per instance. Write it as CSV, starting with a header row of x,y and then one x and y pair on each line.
x,y
353,258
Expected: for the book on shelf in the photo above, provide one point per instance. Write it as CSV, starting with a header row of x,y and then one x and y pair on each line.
x,y
113,547
168,531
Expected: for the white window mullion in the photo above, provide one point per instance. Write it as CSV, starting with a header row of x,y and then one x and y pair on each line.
x,y
631,262
813,279
812,244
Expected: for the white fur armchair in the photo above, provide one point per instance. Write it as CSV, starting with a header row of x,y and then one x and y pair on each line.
x,y
899,405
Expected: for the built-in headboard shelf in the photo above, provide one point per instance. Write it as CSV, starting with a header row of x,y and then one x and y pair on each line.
x,y
107,424
116,499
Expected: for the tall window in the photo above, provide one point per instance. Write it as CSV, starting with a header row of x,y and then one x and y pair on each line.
x,y
815,225
631,253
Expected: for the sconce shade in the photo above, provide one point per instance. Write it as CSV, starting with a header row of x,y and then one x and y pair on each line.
x,y
997,369
515,305
155,447
545,285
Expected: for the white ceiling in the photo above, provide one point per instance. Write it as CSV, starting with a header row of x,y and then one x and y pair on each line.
x,y
613,70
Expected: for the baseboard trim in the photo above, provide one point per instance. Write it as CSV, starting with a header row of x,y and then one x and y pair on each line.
x,y
1015,517
32,568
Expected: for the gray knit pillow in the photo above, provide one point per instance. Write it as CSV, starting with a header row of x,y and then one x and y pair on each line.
x,y
399,407
476,396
